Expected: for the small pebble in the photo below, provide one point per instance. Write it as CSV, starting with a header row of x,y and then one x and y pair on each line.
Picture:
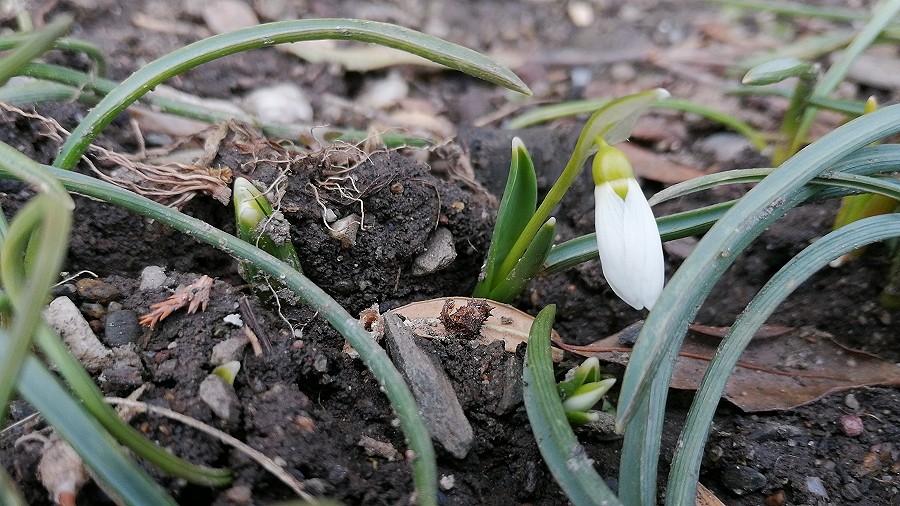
x,y
581,13
284,103
851,402
220,397
448,481
152,277
122,328
64,317
97,290
776,498
93,310
66,290
815,486
239,494
228,350
851,492
439,253
851,425
742,480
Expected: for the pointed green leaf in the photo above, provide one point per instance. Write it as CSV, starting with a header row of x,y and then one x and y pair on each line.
x,y
777,70
529,265
516,208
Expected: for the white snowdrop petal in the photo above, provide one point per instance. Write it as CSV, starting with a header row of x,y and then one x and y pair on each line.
x,y
609,222
643,248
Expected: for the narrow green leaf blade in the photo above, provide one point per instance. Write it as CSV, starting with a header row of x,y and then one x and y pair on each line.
x,y
218,46
777,70
99,452
516,208
563,454
529,265
689,450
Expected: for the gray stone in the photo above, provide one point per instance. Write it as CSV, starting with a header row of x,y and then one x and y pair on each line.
x,y
724,146
430,386
851,402
439,253
228,350
851,492
93,310
220,397
122,328
815,487
742,480
152,277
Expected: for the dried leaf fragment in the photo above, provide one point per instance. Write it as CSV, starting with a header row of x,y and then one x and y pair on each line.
x,y
194,296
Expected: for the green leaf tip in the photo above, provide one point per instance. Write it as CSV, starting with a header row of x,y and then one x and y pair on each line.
x,y
779,69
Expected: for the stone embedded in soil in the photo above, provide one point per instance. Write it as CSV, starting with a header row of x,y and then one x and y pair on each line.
x,y
815,487
431,388
152,277
68,322
121,328
851,402
229,350
439,253
851,425
221,398
742,480
97,290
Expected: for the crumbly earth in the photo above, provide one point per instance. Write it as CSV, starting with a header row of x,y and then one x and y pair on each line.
x,y
306,403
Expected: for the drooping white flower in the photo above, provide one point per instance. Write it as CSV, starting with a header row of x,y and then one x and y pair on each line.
x,y
627,235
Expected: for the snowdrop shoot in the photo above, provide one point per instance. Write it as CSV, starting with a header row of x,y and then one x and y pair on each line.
x,y
627,235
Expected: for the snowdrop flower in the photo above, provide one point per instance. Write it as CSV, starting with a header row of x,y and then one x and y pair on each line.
x,y
627,236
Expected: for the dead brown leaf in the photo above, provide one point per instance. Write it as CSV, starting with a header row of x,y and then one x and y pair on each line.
x,y
194,296
705,497
782,368
505,323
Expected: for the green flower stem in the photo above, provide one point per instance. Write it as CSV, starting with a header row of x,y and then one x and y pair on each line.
x,y
424,466
218,46
689,450
66,43
793,117
575,107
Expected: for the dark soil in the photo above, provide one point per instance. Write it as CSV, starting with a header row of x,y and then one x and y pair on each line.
x,y
306,403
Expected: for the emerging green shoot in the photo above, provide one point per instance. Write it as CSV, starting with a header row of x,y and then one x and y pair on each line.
x,y
260,225
583,389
